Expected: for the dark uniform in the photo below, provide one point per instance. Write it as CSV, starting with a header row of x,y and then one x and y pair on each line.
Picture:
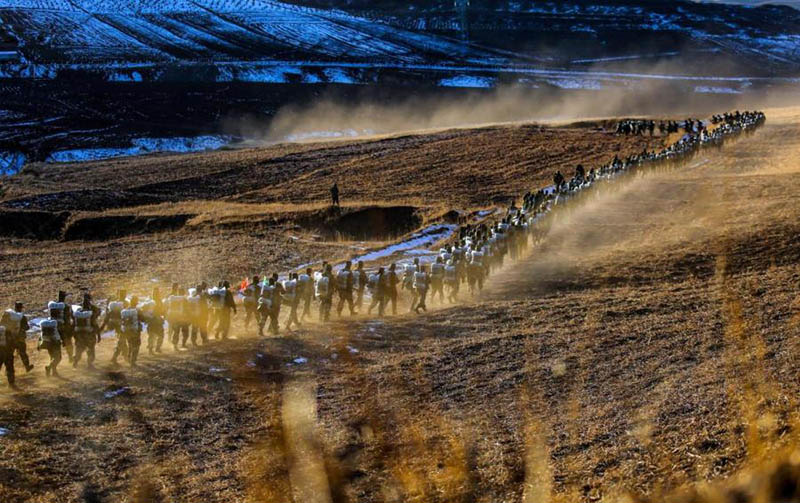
x,y
344,285
250,301
361,280
201,315
155,326
113,320
305,288
87,332
228,305
391,289
7,355
377,287
50,340
17,326
292,296
131,327
66,324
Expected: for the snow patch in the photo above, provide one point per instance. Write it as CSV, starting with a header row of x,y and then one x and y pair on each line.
x,y
117,392
4,431
468,81
421,239
716,90
125,77
141,146
590,84
11,162
338,76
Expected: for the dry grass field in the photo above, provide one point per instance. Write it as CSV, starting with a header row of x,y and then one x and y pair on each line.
x,y
645,351
233,213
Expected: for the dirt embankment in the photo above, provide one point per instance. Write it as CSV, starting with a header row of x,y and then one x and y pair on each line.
x,y
111,227
36,225
374,223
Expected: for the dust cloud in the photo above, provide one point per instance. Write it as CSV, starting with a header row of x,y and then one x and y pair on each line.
x,y
332,116
697,206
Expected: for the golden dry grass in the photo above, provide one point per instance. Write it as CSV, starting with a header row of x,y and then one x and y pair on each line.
x,y
646,351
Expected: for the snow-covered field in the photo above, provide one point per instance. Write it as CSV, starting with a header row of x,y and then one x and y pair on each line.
x,y
269,41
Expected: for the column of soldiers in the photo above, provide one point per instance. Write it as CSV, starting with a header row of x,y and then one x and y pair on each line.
x,y
192,314
641,127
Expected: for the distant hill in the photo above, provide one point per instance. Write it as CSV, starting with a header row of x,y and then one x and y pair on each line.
x,y
571,43
756,3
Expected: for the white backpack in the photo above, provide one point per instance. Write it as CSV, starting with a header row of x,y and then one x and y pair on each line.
x,y
373,281
83,320
303,283
57,310
290,287
408,276
130,320
265,303
249,296
437,270
420,281
148,310
218,298
12,320
115,310
49,331
267,291
450,273
323,286
175,305
193,304
343,278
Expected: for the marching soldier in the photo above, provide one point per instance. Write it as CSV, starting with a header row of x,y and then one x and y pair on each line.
x,y
305,288
344,285
17,326
250,301
421,283
277,300
7,356
437,279
113,320
391,288
292,296
50,340
361,279
155,323
324,292
377,289
131,328
87,332
178,317
228,305
60,311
